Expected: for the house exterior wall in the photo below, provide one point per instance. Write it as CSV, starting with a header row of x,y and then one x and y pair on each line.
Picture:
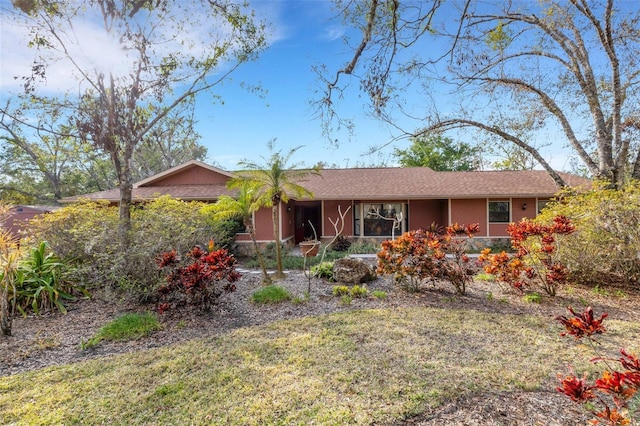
x,y
287,228
422,213
263,224
468,211
330,211
523,208
193,176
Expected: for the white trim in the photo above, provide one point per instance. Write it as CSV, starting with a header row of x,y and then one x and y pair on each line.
x,y
322,234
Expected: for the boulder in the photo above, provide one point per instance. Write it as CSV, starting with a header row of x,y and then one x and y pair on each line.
x,y
352,271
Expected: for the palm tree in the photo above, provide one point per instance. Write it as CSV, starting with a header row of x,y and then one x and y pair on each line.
x,y
242,207
276,182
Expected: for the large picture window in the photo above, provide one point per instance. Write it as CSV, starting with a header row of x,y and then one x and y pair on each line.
x,y
377,219
499,211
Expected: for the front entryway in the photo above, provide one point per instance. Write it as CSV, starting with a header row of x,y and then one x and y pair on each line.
x,y
304,215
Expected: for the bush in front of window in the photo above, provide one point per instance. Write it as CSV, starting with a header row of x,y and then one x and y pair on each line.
x,y
423,256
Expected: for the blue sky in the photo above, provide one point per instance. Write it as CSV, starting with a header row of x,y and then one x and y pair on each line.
x,y
308,35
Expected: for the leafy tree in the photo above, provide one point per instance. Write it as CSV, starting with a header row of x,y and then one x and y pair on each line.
x,y
161,64
171,142
562,68
276,181
438,153
45,160
42,161
243,206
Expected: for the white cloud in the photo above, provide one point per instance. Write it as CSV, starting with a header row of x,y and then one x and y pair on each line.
x,y
334,32
96,51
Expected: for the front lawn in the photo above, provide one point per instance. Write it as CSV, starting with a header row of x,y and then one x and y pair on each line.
x,y
360,367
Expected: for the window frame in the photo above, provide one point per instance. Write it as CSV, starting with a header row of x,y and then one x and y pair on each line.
x,y
500,212
360,218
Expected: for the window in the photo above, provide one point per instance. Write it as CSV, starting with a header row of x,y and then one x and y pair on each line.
x,y
542,204
377,219
499,212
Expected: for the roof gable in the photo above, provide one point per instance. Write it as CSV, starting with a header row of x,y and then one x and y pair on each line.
x,y
190,173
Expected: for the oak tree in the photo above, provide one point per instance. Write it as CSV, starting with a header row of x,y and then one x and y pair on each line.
x,y
567,71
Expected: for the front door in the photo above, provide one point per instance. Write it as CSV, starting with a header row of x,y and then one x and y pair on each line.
x,y
305,215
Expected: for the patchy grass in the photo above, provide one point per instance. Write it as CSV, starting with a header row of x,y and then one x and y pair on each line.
x,y
125,327
270,294
361,367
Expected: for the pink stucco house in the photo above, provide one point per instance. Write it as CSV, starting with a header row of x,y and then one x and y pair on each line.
x,y
423,196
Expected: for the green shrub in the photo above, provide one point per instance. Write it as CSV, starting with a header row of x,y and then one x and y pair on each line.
x,y
359,291
532,298
379,294
353,292
605,246
270,294
340,290
86,233
126,327
323,270
10,256
224,233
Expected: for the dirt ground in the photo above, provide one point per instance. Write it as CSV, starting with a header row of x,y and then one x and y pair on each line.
x,y
54,339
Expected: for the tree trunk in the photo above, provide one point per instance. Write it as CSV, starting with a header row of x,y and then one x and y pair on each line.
x,y
275,211
6,313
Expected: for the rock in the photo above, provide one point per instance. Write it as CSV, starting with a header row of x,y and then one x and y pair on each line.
x,y
352,271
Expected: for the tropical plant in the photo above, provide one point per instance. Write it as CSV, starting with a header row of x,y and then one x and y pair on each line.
x,y
42,284
536,258
421,255
242,207
194,280
323,270
276,181
614,398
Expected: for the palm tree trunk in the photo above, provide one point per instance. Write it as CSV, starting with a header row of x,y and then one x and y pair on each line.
x,y
276,234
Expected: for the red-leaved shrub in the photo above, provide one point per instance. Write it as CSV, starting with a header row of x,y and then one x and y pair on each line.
x,y
535,260
427,255
198,279
613,398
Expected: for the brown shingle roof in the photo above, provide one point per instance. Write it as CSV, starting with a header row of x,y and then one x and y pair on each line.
x,y
373,184
183,192
420,182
